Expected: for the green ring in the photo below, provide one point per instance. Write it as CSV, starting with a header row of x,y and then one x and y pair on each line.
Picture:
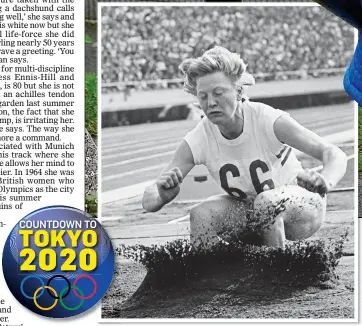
x,y
61,298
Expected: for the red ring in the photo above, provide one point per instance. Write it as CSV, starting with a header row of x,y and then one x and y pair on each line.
x,y
94,283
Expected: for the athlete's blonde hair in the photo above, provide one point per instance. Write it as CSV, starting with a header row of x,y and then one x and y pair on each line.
x,y
216,59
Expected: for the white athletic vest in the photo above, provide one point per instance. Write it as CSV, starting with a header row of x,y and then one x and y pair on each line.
x,y
243,166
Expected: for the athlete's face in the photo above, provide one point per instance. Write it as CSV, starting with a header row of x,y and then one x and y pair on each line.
x,y
217,97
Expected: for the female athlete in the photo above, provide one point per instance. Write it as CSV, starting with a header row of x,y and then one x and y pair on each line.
x,y
247,149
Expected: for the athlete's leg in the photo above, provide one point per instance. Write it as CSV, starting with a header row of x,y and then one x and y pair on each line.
x,y
273,234
288,212
296,210
223,217
215,218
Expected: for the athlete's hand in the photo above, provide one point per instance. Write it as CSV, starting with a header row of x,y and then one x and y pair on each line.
x,y
168,184
312,181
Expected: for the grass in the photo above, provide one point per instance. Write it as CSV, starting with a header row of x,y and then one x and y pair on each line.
x,y
88,39
91,103
91,116
91,204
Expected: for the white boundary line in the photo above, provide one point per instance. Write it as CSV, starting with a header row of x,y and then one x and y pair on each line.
x,y
138,159
349,144
125,192
320,167
139,143
132,172
346,135
111,219
141,150
179,219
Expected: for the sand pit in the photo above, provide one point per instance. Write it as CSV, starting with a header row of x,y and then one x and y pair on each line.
x,y
229,289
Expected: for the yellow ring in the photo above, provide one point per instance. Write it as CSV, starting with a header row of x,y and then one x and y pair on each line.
x,y
51,289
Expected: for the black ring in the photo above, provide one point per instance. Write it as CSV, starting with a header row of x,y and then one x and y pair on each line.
x,y
69,286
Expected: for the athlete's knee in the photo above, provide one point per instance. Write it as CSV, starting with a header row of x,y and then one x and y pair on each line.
x,y
302,211
303,227
306,220
201,217
305,214
268,201
263,199
196,211
211,207
217,213
289,198
202,233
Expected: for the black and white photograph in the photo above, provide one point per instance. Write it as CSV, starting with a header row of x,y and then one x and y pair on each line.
x,y
227,162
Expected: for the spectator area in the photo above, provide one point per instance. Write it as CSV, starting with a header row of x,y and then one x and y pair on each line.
x,y
91,5
142,44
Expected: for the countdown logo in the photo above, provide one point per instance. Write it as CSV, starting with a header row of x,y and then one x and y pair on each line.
x,y
58,261
48,257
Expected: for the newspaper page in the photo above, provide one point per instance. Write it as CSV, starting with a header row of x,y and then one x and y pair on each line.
x,y
47,241
194,162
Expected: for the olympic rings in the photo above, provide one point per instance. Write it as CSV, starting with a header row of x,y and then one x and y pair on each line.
x,y
22,286
76,307
37,304
94,284
64,293
63,277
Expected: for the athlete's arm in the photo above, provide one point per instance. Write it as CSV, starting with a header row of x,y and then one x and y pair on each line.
x,y
289,131
167,185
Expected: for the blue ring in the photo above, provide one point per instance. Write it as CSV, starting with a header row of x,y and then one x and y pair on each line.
x,y
22,285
